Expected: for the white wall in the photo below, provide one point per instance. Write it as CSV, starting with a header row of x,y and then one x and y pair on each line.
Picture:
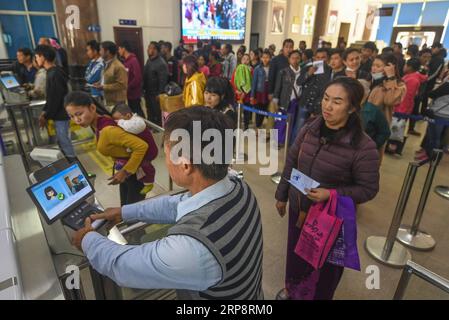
x,y
262,18
159,19
347,13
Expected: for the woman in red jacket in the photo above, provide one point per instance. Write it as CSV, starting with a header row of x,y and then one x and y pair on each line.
x,y
333,150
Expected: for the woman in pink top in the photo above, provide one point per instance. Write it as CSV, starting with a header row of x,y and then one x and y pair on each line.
x,y
203,67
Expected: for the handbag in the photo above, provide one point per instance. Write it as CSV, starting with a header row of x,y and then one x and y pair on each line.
x,y
439,108
320,232
398,129
345,252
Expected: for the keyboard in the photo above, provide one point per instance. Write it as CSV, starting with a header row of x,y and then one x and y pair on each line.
x,y
76,219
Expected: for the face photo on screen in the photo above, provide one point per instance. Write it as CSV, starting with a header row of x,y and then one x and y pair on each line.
x,y
60,192
213,19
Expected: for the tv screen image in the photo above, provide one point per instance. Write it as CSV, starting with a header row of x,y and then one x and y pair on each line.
x,y
213,19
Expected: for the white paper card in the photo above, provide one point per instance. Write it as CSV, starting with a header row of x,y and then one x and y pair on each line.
x,y
319,65
302,182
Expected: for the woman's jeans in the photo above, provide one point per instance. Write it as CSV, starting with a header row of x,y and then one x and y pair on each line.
x,y
64,138
434,137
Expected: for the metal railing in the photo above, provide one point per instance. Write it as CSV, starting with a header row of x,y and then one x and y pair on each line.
x,y
415,269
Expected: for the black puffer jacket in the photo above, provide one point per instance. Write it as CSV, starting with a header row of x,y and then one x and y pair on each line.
x,y
313,89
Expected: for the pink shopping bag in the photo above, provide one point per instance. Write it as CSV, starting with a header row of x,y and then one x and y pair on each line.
x,y
319,233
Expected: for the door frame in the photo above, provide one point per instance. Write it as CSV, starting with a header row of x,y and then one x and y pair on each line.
x,y
439,30
140,30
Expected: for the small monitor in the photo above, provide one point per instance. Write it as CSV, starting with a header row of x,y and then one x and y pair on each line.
x,y
60,195
9,82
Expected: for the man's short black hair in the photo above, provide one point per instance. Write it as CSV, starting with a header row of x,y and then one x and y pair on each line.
x,y
326,50
308,53
126,45
348,52
413,50
437,45
424,51
26,52
199,44
387,50
209,119
94,45
109,46
168,45
370,45
156,45
399,45
414,63
337,51
48,52
294,52
286,41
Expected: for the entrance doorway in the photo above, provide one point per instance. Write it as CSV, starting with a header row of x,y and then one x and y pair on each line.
x,y
135,39
417,35
345,28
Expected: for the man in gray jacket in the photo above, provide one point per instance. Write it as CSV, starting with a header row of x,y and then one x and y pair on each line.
x,y
155,78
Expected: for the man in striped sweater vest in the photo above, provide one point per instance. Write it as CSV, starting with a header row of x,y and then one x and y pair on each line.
x,y
214,249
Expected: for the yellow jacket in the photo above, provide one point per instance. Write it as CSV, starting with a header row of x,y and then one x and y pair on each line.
x,y
116,143
194,90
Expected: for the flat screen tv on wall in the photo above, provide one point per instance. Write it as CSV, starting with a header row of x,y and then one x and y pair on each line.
x,y
213,19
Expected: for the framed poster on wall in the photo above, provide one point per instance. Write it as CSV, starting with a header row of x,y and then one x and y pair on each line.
x,y
278,17
333,19
308,20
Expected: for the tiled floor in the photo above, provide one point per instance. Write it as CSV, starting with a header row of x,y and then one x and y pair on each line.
x,y
374,218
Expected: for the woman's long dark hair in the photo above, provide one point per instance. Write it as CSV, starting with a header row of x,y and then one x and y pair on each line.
x,y
83,99
192,65
355,93
48,190
387,58
223,88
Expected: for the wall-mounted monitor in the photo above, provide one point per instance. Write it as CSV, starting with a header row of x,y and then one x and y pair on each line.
x,y
223,20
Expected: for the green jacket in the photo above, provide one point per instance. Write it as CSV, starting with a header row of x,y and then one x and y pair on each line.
x,y
375,124
243,78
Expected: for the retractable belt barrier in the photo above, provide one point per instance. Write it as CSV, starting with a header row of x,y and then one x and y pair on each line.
x,y
440,122
276,178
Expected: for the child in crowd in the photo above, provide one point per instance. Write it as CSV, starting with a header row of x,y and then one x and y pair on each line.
x,y
242,82
261,87
136,125
413,80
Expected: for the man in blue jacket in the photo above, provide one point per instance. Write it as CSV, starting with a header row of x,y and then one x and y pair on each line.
x,y
94,69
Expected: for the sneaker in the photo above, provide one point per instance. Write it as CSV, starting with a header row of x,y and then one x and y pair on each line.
x,y
147,189
414,133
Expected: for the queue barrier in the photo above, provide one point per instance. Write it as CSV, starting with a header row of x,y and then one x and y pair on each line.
x,y
404,116
413,268
386,249
276,178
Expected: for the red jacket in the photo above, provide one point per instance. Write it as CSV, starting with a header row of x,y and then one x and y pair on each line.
x,y
413,82
132,65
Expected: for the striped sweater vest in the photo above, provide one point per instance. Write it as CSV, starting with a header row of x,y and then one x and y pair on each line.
x,y
231,228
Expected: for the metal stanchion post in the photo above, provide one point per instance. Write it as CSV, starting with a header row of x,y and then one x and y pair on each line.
x,y
387,250
411,236
239,127
442,191
276,178
403,283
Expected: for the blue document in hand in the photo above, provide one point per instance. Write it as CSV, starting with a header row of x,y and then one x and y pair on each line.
x,y
302,182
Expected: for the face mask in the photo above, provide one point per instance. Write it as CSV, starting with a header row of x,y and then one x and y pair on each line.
x,y
377,75
350,70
